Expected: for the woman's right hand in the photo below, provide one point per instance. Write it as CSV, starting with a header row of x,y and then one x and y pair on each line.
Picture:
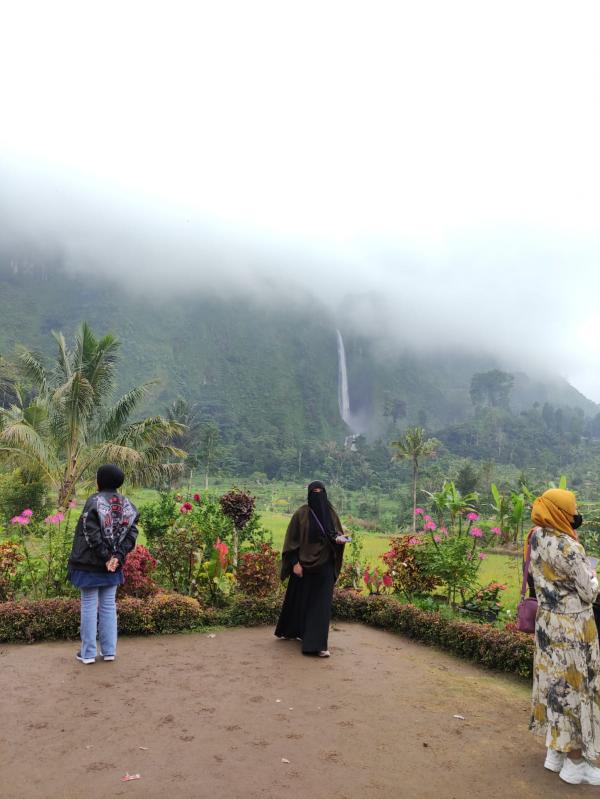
x,y
298,570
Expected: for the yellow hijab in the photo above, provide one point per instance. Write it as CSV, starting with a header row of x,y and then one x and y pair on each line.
x,y
554,509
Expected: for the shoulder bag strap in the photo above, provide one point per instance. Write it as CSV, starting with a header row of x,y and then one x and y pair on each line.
x,y
526,571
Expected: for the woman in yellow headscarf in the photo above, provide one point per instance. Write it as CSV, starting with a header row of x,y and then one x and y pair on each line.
x,y
566,673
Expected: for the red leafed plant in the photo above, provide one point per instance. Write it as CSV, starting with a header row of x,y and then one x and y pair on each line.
x,y
258,572
137,569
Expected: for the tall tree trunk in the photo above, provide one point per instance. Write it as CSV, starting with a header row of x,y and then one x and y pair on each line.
x,y
414,516
236,540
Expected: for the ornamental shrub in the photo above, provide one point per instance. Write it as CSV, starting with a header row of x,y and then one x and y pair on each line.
x,y
137,570
406,563
258,572
10,558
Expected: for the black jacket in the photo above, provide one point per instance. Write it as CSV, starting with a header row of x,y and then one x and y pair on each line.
x,y
106,528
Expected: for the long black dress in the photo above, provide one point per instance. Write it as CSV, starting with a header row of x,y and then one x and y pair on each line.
x,y
306,610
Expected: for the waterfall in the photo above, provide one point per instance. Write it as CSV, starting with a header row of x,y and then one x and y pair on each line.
x,y
343,395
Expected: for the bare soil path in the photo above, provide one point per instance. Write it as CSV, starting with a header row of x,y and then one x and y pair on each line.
x,y
216,717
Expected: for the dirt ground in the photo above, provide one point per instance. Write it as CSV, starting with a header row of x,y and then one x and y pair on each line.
x,y
220,717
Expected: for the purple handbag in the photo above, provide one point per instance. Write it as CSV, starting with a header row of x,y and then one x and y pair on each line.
x,y
527,607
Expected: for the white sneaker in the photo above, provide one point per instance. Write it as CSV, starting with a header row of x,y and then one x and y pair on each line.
x,y
105,657
554,760
580,773
87,661
324,653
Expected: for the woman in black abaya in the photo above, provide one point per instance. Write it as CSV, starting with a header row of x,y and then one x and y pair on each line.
x,y
312,558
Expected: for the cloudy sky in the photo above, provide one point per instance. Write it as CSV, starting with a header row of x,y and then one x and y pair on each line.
x,y
440,158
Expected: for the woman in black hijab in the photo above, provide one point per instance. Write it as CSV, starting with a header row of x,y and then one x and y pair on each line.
x,y
312,558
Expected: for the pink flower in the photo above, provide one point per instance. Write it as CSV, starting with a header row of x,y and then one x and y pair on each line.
x,y
476,532
412,540
183,509
387,580
27,513
430,526
482,556
73,503
426,518
19,520
444,530
437,538
472,517
188,506
419,511
470,556
60,517
496,531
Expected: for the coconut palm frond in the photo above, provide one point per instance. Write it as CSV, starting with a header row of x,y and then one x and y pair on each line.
x,y
64,357
32,366
119,414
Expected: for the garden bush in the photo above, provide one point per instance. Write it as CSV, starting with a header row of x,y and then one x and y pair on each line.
x,y
258,572
137,570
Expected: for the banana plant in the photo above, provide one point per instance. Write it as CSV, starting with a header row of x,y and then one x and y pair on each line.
x,y
500,506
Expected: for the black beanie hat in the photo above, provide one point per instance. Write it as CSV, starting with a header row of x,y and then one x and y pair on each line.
x,y
109,477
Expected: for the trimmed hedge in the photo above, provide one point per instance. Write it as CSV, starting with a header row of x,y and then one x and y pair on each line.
x,y
48,619
504,650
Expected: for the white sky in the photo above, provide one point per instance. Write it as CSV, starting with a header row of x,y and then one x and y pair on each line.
x,y
444,153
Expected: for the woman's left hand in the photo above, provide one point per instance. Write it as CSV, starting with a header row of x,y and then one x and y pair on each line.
x,y
112,565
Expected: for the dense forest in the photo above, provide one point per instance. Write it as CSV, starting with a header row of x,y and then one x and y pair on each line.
x,y
257,385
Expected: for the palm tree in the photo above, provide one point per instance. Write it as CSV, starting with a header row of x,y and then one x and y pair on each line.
x,y
69,427
414,446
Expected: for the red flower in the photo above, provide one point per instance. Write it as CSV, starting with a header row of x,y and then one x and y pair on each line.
x,y
222,549
197,497
387,580
188,505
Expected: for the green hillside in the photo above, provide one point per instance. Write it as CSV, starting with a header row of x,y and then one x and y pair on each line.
x,y
266,375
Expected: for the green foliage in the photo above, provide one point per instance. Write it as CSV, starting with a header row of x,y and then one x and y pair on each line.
x,y
19,490
406,561
11,558
451,562
70,426
491,388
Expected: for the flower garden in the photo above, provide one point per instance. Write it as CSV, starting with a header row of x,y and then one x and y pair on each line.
x,y
205,561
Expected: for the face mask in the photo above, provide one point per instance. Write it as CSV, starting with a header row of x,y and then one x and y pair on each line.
x,y
577,521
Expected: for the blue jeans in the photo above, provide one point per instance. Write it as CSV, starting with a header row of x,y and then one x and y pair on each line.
x,y
98,614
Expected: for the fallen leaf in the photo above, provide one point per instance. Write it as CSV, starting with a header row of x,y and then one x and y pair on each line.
x,y
462,718
129,777
284,760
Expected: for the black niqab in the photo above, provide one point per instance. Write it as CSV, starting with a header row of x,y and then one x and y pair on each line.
x,y
319,505
109,477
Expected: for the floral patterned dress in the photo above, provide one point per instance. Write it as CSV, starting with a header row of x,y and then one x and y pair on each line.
x,y
566,674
